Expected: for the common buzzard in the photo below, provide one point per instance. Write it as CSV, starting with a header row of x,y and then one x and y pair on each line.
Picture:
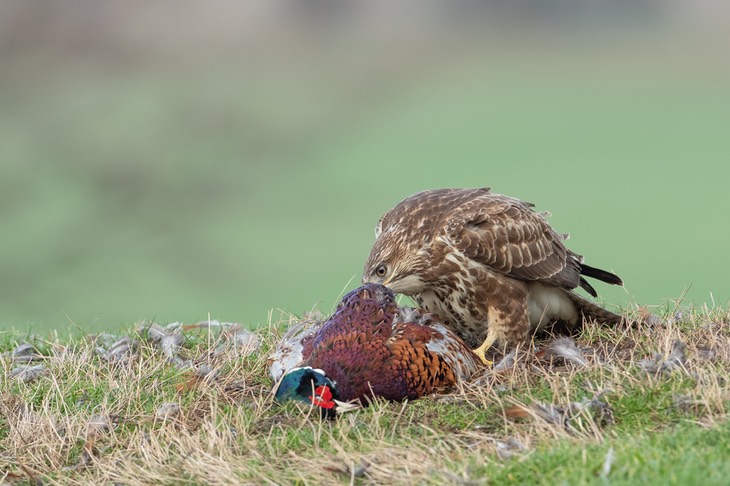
x,y
488,265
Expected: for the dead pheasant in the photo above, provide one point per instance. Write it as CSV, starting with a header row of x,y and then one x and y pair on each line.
x,y
369,348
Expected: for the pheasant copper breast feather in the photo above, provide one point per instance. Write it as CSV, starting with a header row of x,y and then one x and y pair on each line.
x,y
369,347
489,266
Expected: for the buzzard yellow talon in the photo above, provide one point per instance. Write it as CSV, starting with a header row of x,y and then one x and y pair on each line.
x,y
481,350
486,362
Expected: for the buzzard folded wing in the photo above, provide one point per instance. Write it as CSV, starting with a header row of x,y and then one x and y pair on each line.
x,y
506,235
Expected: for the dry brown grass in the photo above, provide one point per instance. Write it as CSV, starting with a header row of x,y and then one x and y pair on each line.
x,y
146,412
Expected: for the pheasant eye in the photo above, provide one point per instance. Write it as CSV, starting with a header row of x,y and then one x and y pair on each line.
x,y
381,271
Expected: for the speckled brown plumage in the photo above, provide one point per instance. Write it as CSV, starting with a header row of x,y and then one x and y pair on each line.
x,y
371,347
487,264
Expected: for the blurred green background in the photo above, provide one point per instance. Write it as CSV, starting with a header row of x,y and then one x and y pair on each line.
x,y
220,158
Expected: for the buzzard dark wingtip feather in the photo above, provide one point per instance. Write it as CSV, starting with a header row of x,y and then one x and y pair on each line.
x,y
601,275
588,287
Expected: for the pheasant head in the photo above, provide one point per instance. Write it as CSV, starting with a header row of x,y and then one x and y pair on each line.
x,y
311,386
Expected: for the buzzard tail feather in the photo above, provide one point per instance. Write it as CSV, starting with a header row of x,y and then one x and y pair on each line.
x,y
591,311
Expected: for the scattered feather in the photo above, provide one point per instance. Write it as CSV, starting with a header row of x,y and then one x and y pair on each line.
x,y
87,454
120,351
28,373
686,403
167,410
103,339
651,365
168,338
26,353
232,331
677,357
235,388
314,315
209,324
350,471
706,354
675,360
647,319
289,352
206,372
515,357
563,415
712,325
196,376
101,424
245,340
507,449
86,457
566,349
506,363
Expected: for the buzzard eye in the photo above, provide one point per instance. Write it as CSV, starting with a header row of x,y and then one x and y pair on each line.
x,y
381,271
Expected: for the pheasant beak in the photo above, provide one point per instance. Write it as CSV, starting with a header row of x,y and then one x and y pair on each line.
x,y
344,407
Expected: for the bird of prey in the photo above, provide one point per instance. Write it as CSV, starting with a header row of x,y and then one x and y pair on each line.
x,y
369,347
489,266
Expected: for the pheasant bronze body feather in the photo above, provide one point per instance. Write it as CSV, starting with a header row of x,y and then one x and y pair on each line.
x,y
370,348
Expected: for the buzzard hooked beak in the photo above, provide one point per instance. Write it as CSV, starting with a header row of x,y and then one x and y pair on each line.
x,y
387,281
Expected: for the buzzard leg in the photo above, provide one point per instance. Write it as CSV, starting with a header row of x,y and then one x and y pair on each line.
x,y
510,325
481,350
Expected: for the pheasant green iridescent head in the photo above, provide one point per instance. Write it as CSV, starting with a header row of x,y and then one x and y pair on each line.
x,y
310,386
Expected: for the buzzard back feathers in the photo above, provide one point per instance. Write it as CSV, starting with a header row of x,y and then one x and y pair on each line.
x,y
498,231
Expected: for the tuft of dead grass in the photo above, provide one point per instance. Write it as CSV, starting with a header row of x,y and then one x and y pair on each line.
x,y
192,404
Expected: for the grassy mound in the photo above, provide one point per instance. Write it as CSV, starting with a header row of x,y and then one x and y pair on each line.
x,y
192,405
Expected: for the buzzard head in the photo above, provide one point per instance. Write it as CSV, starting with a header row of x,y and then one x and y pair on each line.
x,y
396,262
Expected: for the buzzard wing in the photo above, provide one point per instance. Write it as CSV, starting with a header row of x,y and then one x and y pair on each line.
x,y
508,236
